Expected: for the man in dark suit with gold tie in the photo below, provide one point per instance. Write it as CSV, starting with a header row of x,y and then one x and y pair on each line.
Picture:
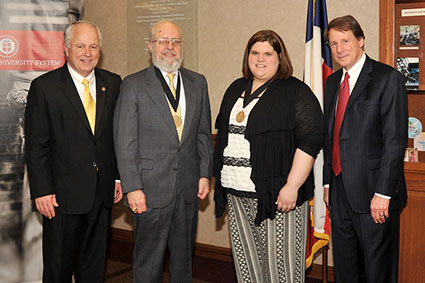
x,y
366,112
70,158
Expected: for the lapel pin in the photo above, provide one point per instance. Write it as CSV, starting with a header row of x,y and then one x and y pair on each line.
x,y
103,88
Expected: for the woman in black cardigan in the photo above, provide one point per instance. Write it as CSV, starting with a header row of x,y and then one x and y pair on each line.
x,y
270,129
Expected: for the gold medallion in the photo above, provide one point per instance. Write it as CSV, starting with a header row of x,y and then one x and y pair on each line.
x,y
177,120
240,116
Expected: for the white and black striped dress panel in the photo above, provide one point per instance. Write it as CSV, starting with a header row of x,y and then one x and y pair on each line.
x,y
236,172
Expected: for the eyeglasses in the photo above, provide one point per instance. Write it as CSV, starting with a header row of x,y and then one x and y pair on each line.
x,y
165,41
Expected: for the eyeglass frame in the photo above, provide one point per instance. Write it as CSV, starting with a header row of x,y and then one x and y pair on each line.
x,y
166,41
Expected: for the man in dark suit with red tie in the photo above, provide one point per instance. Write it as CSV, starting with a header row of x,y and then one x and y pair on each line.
x,y
366,112
70,158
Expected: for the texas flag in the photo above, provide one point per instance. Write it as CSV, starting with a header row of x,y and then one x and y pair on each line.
x,y
318,66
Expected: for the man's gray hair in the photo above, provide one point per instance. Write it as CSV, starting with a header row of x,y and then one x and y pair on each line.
x,y
69,29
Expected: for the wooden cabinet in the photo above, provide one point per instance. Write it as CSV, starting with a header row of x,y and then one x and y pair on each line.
x,y
412,225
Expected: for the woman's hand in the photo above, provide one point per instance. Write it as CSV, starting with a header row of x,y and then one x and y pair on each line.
x,y
287,198
301,167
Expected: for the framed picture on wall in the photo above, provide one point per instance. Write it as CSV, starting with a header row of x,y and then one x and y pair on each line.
x,y
409,67
409,59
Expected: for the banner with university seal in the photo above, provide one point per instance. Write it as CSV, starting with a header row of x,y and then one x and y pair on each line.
x,y
31,43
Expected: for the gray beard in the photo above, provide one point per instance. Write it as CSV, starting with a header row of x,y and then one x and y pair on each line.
x,y
166,67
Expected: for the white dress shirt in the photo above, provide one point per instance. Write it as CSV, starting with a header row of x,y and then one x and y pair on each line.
x,y
354,72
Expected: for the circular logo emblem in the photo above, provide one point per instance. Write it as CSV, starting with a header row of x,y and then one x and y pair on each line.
x,y
9,46
415,127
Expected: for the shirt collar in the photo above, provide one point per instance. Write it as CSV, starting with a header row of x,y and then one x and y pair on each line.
x,y
79,78
164,74
354,71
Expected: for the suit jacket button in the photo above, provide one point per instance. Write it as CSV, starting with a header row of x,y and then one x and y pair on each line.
x,y
174,169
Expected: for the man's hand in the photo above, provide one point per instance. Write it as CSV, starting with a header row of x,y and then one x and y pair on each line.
x,y
46,205
379,209
117,192
287,198
137,201
203,187
326,195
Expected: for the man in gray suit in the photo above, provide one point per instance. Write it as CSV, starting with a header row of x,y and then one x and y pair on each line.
x,y
162,130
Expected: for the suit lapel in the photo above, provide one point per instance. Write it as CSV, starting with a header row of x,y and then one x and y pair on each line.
x,y
190,95
361,84
101,91
155,91
71,93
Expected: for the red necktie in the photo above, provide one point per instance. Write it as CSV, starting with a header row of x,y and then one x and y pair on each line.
x,y
344,94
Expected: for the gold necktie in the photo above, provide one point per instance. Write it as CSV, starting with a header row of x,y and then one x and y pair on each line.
x,y
89,105
177,115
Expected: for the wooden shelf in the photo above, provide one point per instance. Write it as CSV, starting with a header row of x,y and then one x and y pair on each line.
x,y
414,167
415,176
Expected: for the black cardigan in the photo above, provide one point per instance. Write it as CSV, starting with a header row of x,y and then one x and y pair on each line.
x,y
288,116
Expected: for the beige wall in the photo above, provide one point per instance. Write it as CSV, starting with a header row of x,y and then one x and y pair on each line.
x,y
110,16
224,28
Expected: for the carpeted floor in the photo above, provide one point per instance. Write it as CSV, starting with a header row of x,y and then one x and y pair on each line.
x,y
205,270
118,272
